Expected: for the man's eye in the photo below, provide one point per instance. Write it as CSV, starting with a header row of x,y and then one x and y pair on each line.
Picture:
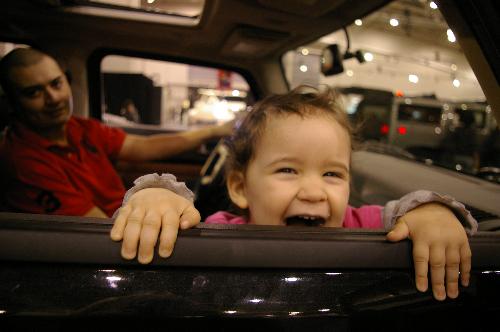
x,y
57,83
31,93
286,170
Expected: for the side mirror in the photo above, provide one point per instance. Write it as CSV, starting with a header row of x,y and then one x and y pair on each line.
x,y
331,60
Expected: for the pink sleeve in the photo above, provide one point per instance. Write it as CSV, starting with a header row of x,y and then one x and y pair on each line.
x,y
367,216
223,217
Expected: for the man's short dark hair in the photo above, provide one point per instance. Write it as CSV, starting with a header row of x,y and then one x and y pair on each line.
x,y
19,57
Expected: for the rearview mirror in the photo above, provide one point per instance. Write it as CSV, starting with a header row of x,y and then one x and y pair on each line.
x,y
331,60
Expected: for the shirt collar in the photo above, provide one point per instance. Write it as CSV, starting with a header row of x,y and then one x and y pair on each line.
x,y
74,133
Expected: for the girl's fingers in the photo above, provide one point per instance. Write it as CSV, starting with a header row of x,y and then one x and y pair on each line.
x,y
120,223
132,233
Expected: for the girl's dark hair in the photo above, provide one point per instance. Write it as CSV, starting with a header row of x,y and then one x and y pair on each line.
x,y
303,101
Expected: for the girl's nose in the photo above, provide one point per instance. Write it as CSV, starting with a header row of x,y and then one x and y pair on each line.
x,y
311,190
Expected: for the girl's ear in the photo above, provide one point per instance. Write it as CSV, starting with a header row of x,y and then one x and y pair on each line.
x,y
236,189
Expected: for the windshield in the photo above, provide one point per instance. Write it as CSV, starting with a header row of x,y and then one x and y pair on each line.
x,y
406,83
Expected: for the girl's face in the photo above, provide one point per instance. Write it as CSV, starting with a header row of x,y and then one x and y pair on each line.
x,y
298,175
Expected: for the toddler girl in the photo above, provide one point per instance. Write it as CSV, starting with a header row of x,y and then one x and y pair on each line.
x,y
289,164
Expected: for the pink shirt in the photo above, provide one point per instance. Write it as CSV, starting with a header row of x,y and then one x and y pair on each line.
x,y
367,216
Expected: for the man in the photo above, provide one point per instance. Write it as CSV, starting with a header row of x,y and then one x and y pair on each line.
x,y
55,163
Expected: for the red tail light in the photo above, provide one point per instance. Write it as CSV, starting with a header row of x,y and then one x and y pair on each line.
x,y
384,129
402,130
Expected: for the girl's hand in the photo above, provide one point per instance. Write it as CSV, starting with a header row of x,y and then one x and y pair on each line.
x,y
150,213
439,242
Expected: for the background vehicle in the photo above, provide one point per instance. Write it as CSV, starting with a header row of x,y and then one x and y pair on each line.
x,y
64,272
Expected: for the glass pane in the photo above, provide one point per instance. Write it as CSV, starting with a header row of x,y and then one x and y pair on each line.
x,y
406,83
168,95
187,8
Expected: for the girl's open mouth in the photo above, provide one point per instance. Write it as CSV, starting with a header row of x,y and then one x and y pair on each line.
x,y
305,220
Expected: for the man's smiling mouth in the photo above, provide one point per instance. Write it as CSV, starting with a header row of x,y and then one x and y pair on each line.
x,y
305,220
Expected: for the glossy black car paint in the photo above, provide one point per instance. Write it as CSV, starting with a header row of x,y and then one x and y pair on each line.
x,y
321,279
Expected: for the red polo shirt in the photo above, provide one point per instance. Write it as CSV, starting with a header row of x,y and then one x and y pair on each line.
x,y
43,177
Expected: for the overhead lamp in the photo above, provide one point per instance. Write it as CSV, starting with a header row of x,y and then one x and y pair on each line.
x,y
413,78
456,83
433,5
394,22
368,56
358,22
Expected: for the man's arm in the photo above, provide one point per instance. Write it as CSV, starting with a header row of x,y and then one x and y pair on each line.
x,y
96,213
142,148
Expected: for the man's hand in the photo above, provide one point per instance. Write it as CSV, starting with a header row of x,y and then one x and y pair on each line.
x,y
150,213
439,241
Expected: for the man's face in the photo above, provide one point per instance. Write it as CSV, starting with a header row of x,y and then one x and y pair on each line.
x,y
43,97
299,173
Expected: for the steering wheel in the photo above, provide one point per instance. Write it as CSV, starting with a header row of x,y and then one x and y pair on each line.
x,y
210,191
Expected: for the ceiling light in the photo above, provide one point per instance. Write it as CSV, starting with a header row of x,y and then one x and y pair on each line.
x,y
451,36
358,22
151,1
305,51
349,73
453,67
394,22
456,83
413,78
368,56
303,68
433,5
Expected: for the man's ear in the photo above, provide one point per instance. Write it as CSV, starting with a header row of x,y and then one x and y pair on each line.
x,y
235,184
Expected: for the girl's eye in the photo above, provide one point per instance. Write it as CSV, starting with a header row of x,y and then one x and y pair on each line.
x,y
333,174
286,170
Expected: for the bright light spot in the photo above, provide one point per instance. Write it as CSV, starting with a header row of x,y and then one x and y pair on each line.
x,y
358,22
235,93
151,1
488,272
106,270
456,83
333,273
256,300
305,51
394,22
463,107
451,36
413,78
453,67
294,313
230,312
451,116
113,279
323,310
2,312
446,107
349,73
437,130
368,56
458,167
402,130
433,5
303,68
292,279
407,101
